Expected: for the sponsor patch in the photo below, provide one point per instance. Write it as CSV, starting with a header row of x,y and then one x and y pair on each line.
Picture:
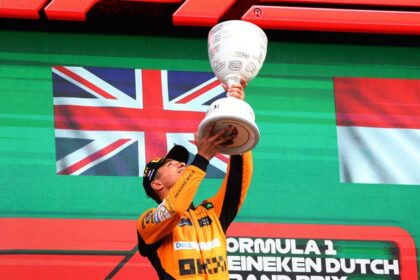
x,y
194,245
146,219
206,221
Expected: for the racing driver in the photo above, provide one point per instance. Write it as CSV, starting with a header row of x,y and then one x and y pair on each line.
x,y
183,241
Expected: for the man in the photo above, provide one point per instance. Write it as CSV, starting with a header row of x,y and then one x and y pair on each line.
x,y
180,240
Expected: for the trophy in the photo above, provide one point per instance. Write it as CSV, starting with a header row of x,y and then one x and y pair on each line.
x,y
236,50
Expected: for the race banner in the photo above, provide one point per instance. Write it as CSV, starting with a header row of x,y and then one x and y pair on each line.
x,y
256,251
320,252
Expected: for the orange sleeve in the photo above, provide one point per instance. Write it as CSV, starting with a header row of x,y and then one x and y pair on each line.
x,y
157,222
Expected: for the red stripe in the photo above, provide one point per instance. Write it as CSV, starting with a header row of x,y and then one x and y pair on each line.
x,y
152,90
82,163
391,3
158,121
156,145
125,119
222,158
84,82
337,20
372,102
199,92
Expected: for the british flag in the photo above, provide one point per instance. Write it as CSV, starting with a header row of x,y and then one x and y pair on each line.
x,y
111,121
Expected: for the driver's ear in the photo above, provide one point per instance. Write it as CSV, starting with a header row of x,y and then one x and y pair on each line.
x,y
156,185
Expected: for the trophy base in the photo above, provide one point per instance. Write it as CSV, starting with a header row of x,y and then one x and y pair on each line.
x,y
247,138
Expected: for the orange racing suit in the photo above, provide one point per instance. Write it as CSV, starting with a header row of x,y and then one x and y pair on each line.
x,y
186,242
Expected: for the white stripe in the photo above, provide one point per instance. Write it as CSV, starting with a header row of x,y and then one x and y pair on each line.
x,y
98,134
139,87
379,155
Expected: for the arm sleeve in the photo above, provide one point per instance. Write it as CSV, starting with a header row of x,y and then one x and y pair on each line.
x,y
157,222
234,188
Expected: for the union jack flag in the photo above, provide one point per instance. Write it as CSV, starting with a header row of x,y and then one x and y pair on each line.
x,y
111,121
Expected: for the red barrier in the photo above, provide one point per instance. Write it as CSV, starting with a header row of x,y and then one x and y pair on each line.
x,y
201,12
205,13
71,248
337,20
389,3
69,10
21,8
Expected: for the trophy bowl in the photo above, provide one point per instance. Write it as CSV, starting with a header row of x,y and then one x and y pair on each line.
x,y
232,111
236,50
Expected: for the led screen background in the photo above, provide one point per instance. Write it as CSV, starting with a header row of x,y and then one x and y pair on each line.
x,y
296,177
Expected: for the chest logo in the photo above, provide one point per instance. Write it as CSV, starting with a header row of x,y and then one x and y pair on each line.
x,y
184,222
205,221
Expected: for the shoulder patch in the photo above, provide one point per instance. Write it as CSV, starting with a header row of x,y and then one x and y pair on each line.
x,y
146,219
162,213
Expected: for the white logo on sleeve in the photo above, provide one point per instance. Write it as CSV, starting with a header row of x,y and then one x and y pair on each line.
x,y
194,245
